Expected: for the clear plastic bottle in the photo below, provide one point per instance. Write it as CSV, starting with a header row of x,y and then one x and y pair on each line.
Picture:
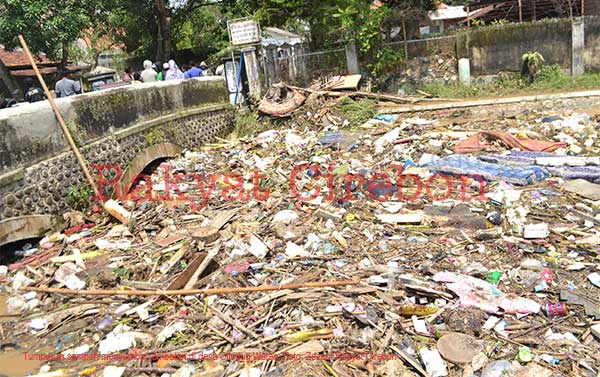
x,y
498,368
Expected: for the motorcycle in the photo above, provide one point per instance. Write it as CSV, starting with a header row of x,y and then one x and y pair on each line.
x,y
10,102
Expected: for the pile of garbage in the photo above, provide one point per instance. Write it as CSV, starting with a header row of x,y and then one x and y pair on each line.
x,y
438,68
402,246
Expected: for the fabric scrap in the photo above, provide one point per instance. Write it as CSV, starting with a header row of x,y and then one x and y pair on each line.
x,y
483,141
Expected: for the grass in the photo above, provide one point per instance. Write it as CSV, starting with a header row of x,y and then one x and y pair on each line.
x,y
356,112
247,123
550,79
79,197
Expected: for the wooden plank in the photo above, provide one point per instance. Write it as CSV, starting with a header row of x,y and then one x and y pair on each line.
x,y
196,275
347,82
183,278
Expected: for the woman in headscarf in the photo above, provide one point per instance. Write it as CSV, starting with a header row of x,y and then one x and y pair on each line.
x,y
174,73
148,74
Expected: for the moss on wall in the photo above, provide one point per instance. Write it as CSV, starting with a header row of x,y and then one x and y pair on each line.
x,y
196,92
155,101
495,35
91,116
154,136
17,150
120,108
98,113
497,48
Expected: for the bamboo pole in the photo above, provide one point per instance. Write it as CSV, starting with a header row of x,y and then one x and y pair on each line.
x,y
184,292
110,206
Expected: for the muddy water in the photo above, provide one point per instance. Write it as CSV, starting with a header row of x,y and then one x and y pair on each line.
x,y
3,308
13,361
14,364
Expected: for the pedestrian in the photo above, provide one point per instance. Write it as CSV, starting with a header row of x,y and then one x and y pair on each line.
x,y
148,74
33,93
158,69
174,73
205,71
128,76
163,72
193,71
66,87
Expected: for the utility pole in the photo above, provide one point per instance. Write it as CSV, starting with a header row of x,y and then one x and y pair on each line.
x,y
520,10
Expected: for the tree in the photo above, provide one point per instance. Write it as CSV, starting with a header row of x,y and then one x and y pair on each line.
x,y
95,40
49,26
165,42
138,22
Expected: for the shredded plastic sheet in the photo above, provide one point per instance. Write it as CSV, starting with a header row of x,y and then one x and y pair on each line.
x,y
478,293
483,140
345,140
469,166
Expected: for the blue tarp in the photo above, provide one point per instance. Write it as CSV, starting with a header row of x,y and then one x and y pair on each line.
x,y
469,166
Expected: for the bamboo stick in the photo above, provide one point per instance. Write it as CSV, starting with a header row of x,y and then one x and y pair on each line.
x,y
184,292
110,206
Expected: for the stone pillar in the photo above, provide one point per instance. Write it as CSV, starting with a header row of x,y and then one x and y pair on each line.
x,y
577,45
464,71
252,71
352,59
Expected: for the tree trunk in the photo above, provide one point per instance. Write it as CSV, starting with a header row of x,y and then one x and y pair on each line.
x,y
164,14
65,57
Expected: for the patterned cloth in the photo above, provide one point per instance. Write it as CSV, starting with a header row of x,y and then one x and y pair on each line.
x,y
522,159
469,166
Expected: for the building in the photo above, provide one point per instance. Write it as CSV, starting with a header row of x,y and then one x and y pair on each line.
x,y
15,67
281,50
532,10
446,17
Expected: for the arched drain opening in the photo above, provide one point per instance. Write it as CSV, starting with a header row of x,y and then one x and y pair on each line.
x,y
14,251
148,171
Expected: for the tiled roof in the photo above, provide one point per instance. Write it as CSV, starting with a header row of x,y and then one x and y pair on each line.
x,y
17,59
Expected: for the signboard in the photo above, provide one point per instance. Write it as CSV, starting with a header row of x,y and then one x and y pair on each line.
x,y
243,31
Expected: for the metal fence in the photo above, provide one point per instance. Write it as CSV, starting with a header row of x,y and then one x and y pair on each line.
x,y
416,48
300,67
297,66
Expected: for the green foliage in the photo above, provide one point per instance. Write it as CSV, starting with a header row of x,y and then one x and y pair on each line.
x,y
535,61
154,136
79,197
553,75
76,134
49,26
499,21
362,25
247,123
550,78
477,23
137,21
356,112
123,273
386,60
452,90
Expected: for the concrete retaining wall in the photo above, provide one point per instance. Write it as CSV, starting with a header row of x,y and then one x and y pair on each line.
x,y
32,134
500,48
126,127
